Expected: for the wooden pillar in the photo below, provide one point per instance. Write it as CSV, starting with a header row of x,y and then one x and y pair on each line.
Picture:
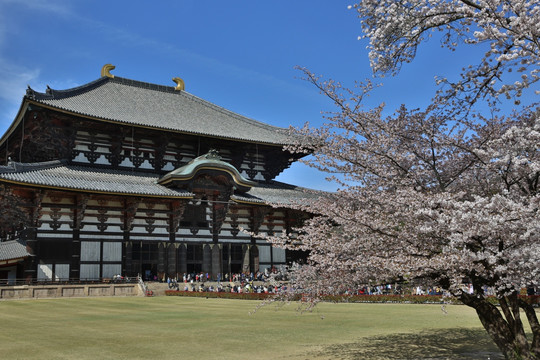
x,y
227,265
246,258
216,261
80,203
254,259
130,209
162,259
182,259
75,266
171,261
31,236
30,265
207,259
127,254
127,260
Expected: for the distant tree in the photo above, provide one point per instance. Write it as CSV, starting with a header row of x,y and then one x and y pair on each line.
x,y
426,194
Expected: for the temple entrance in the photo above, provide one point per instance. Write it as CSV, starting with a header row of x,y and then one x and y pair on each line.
x,y
236,258
8,276
194,268
254,259
145,257
148,272
194,258
232,258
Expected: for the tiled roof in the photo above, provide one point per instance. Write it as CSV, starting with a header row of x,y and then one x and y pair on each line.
x,y
13,249
57,174
144,104
278,193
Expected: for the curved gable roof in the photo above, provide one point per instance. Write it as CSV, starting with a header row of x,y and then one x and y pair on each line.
x,y
156,106
211,161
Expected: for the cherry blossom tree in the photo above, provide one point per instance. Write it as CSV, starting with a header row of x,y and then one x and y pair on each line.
x,y
425,194
508,29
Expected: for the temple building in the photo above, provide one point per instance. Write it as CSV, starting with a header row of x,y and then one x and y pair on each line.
x,y
119,176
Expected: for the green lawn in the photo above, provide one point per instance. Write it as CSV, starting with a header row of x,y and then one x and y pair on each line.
x,y
198,328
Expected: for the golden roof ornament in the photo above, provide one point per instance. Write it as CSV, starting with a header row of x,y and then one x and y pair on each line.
x,y
179,84
106,70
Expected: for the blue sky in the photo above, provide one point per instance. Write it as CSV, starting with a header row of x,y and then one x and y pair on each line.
x,y
237,54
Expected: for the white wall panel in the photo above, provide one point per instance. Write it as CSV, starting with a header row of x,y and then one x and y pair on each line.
x,y
109,270
146,165
126,162
114,221
243,236
61,272
183,231
113,228
264,253
168,167
101,236
278,255
263,267
55,235
160,230
44,272
102,160
139,222
89,272
90,251
144,237
195,240
112,251
82,147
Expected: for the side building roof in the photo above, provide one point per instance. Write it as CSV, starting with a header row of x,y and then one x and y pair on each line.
x,y
149,105
12,250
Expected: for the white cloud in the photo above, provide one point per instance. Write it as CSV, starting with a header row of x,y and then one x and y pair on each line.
x,y
14,79
51,6
13,82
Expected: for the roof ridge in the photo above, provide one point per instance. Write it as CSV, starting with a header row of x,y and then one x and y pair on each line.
x,y
52,94
113,171
144,84
7,242
14,166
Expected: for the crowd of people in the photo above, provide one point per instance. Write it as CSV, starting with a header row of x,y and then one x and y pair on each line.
x,y
230,282
259,283
194,277
249,287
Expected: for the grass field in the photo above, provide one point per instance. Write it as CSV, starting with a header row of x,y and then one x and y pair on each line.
x,y
198,328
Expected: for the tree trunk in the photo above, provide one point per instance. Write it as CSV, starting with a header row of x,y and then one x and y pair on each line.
x,y
508,334
535,326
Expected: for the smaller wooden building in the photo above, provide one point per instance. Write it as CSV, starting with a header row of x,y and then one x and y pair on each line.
x,y
13,255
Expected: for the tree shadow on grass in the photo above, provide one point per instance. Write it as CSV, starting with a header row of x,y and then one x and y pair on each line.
x,y
454,344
